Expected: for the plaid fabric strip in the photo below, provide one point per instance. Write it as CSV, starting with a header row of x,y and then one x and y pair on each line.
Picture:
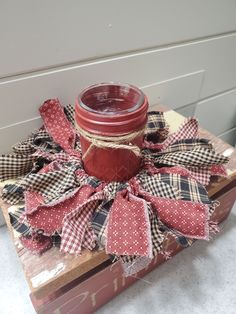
x,y
12,194
157,235
70,113
99,221
156,121
15,214
189,129
42,141
190,189
76,223
38,140
185,145
153,185
57,125
199,157
15,165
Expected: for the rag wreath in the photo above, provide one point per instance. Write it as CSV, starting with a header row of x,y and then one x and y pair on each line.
x,y
62,205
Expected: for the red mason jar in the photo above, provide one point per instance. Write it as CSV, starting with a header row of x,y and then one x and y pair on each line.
x,y
111,110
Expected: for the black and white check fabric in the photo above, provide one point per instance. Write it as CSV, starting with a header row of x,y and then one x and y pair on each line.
x,y
156,121
156,187
15,165
185,145
196,158
51,184
12,194
70,113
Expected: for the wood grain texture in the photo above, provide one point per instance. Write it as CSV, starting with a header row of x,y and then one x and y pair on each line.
x,y
53,270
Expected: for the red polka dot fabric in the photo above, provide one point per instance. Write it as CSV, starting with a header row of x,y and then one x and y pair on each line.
x,y
36,244
50,218
128,231
57,125
188,218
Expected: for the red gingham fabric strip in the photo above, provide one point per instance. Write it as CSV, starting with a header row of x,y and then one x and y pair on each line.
x,y
57,125
128,230
189,129
188,218
202,175
76,223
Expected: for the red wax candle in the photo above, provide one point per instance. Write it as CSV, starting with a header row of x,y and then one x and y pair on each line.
x,y
107,111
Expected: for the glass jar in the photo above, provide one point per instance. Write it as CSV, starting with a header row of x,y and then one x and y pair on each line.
x,y
111,110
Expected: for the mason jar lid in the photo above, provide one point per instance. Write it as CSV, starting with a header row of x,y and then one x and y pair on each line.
x,y
111,109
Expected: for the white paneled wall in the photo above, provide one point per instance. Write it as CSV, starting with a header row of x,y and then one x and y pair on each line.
x,y
181,53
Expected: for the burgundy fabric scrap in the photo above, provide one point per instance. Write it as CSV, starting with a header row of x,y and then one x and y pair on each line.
x,y
188,218
218,170
128,231
57,125
37,244
50,218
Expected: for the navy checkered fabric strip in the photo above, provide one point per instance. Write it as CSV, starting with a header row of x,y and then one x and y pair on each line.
x,y
99,221
15,165
190,189
199,157
51,184
157,235
156,121
22,228
185,145
12,194
154,186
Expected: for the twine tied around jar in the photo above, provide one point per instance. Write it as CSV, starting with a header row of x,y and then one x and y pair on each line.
x,y
115,142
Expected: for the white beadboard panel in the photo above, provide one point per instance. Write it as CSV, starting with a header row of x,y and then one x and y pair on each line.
x,y
40,34
11,135
218,114
229,137
187,111
170,92
21,96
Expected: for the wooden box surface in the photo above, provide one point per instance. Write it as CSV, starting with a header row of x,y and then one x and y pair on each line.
x,y
62,283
